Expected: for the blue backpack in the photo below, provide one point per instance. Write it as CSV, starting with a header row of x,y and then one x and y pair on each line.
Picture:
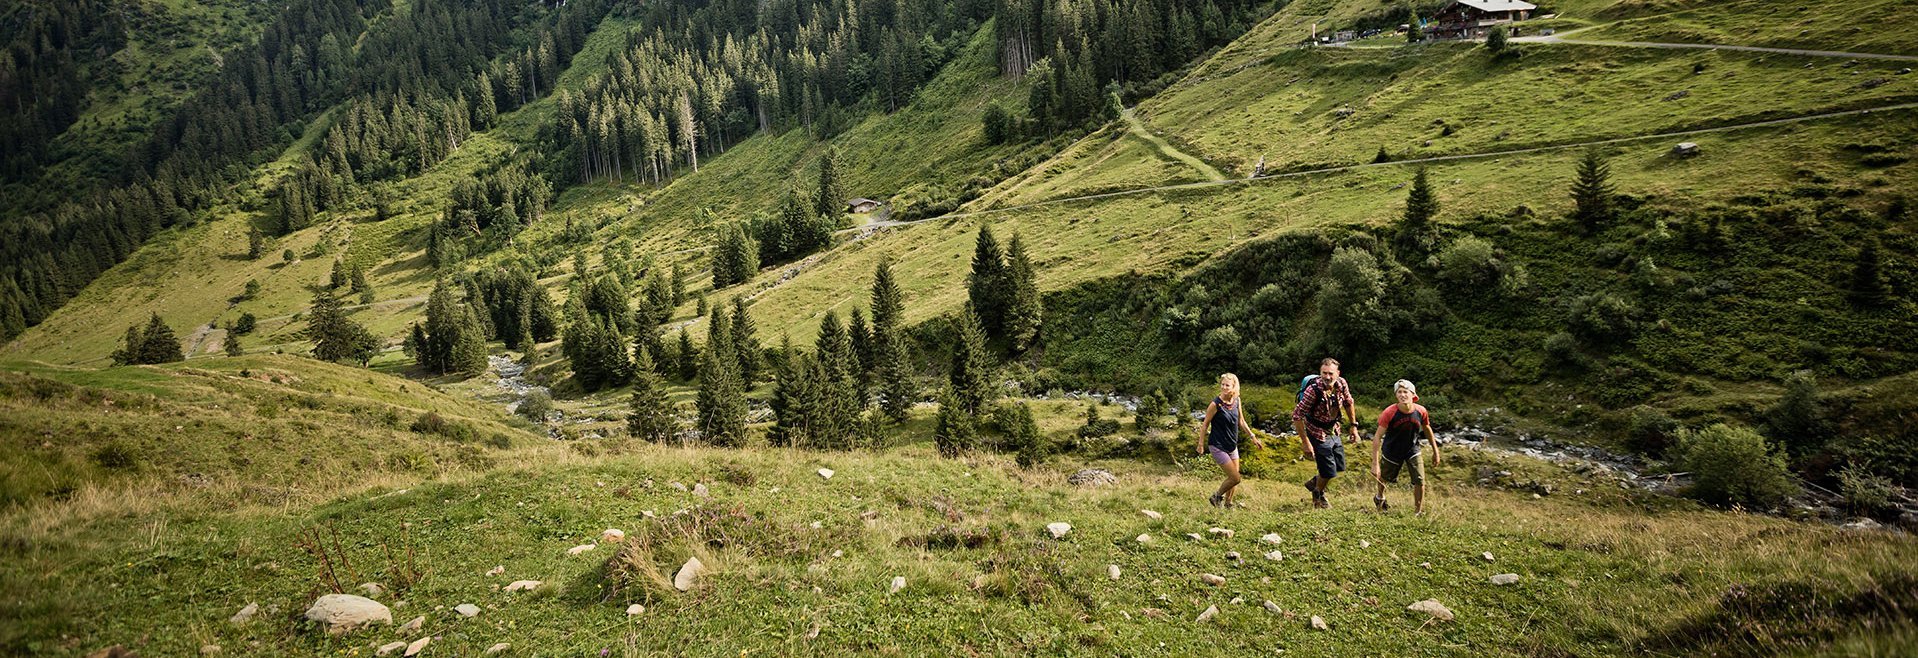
x,y
1304,384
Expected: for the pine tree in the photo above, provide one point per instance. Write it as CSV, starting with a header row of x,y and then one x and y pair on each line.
x,y
832,190
678,279
794,396
688,355
129,352
1592,192
839,401
745,343
336,337
360,286
338,277
650,414
1867,283
954,430
255,242
158,344
986,286
453,339
1023,310
1495,39
892,366
721,401
970,376
232,344
861,342
1416,233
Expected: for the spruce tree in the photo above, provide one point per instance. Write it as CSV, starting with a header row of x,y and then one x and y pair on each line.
x,y
892,366
721,401
1867,283
232,344
1023,309
650,415
970,376
688,356
954,430
336,337
1416,234
795,401
158,344
468,353
986,286
255,242
745,343
338,277
832,190
1592,192
129,352
1495,39
861,342
839,401
357,276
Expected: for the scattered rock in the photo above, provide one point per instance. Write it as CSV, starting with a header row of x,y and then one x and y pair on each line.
x,y
612,536
413,626
700,490
496,571
1364,544
1237,600
498,648
1143,539
1151,514
1195,536
898,583
418,645
341,613
467,610
1487,555
517,585
1232,555
634,609
1863,524
1212,579
1210,612
1685,149
1271,538
390,647
1318,624
245,614
1059,529
1431,607
1273,608
576,550
1112,571
825,473
1222,532
1092,477
817,525
1275,556
1505,579
689,574
813,633
372,589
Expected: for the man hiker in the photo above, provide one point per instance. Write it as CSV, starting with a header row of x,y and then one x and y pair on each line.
x,y
1324,406
1395,447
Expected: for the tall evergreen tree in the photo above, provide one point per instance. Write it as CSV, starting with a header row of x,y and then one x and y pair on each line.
x,y
795,397
232,344
255,242
129,352
335,336
892,366
971,372
721,400
829,200
1592,192
954,430
1023,310
839,401
745,343
452,340
650,416
1417,234
688,356
861,335
986,286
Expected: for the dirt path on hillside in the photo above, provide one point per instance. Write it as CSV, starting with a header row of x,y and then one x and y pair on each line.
x,y
1560,38
1138,129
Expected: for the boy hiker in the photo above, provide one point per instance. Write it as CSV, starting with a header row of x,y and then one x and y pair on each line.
x,y
1395,447
1323,406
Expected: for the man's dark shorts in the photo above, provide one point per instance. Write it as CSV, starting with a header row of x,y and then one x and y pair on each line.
x,y
1330,455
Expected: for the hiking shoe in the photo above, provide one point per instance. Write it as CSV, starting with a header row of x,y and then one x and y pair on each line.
x,y
1217,500
1320,503
1380,502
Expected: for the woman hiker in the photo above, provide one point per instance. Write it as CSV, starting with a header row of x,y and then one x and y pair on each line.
x,y
1219,436
1395,447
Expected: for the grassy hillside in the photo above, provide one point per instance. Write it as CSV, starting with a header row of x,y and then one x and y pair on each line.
x,y
806,562
255,429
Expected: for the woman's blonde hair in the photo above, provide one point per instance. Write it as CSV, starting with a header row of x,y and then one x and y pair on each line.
x,y
1235,384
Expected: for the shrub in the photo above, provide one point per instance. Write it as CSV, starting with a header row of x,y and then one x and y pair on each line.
x,y
1798,421
1602,317
1734,466
1468,263
1220,347
1096,426
115,456
536,406
432,423
1865,493
1650,431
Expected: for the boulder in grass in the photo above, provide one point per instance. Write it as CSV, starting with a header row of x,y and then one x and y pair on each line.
x,y
527,585
1273,608
898,583
245,614
1222,532
1212,579
1275,556
1505,579
467,610
417,646
635,609
612,536
1092,477
1112,571
414,625
1151,514
342,613
1432,607
1318,624
1271,538
1686,150
390,647
701,491
1059,529
1143,539
576,550
1210,612
689,574
825,473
